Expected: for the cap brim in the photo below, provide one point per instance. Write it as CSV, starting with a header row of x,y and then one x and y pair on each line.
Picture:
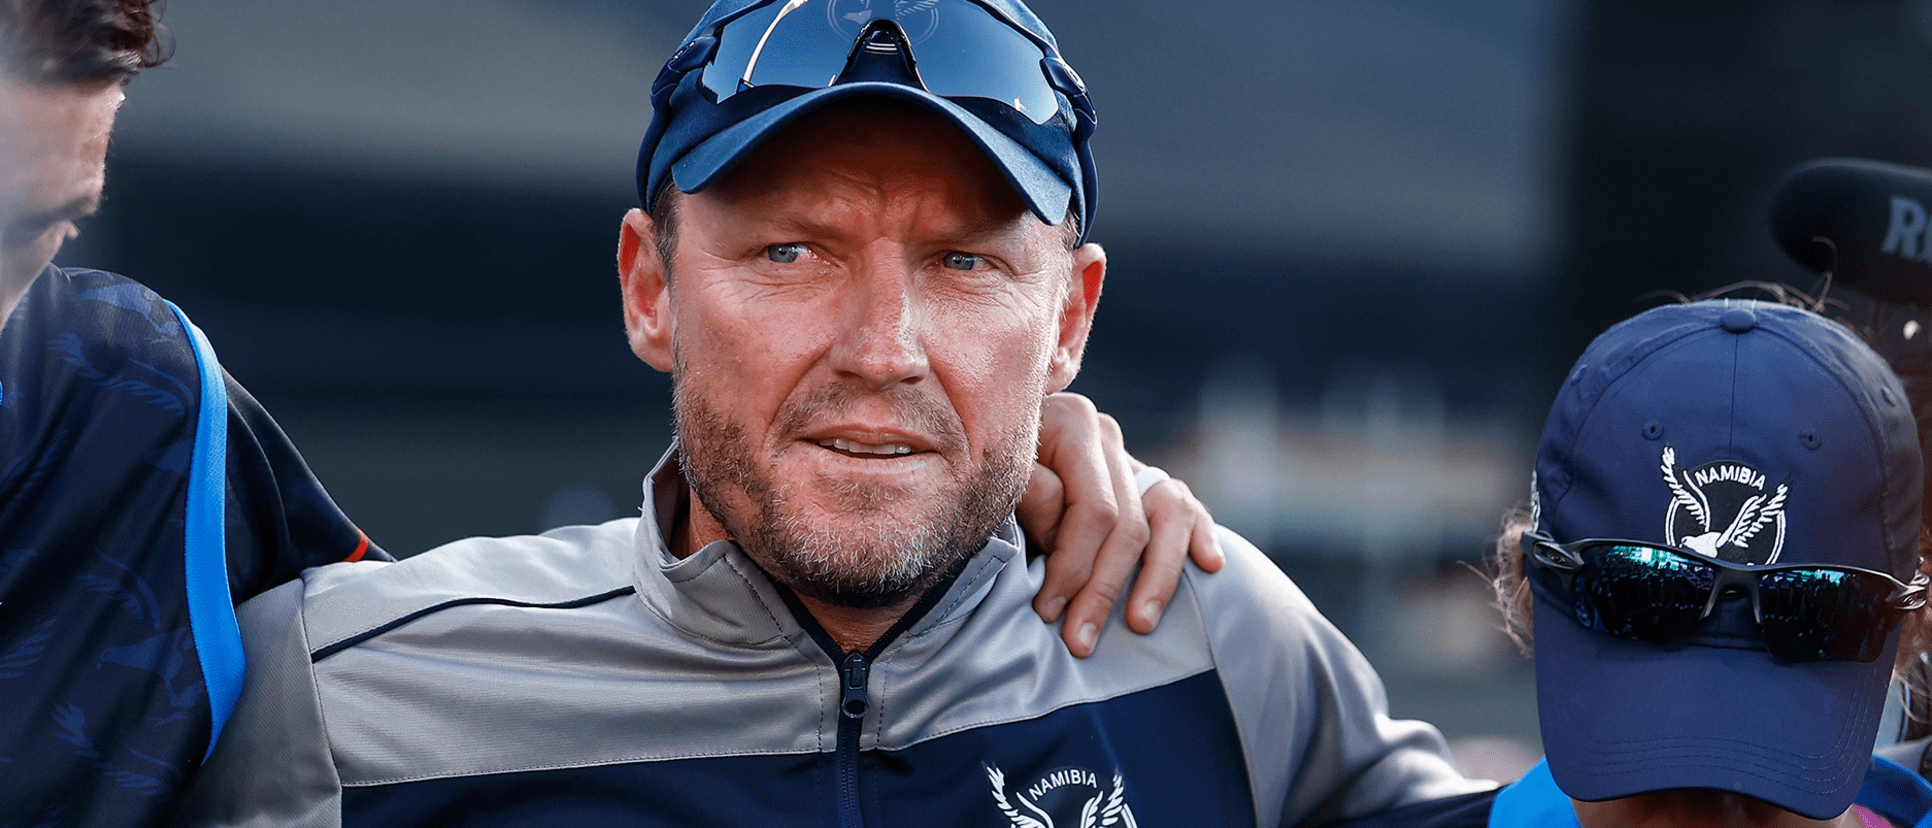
x,y
1624,717
1044,192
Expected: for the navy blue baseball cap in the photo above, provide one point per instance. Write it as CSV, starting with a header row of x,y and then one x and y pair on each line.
x,y
1728,399
990,67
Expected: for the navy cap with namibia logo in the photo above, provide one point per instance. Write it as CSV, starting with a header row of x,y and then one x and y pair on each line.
x,y
1751,432
990,67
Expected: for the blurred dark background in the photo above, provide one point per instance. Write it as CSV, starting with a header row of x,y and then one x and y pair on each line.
x,y
1354,247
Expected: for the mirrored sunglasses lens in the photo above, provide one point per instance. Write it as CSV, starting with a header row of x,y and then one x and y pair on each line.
x,y
1639,592
961,50
807,48
969,53
1824,615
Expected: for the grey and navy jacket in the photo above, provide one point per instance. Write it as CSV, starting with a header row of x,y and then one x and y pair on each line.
x,y
142,494
585,677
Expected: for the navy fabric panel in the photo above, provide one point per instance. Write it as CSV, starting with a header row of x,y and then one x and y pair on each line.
x,y
1174,747
736,790
107,713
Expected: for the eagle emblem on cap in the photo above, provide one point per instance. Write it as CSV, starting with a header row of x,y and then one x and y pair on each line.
x,y
917,18
1718,510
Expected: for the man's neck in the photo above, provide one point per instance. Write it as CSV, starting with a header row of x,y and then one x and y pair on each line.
x,y
854,630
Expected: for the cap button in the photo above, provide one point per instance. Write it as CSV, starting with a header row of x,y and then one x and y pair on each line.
x,y
1738,320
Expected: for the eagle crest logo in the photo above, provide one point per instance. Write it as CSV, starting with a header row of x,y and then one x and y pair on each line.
x,y
1722,510
917,18
1075,795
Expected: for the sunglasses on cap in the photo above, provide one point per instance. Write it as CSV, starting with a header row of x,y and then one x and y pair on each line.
x,y
1659,594
956,48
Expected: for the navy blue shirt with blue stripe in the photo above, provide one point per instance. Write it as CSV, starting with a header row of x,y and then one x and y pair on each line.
x,y
143,493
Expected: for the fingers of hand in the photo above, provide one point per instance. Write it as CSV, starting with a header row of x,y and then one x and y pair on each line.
x,y
1041,505
1073,444
1084,527
1172,500
1205,546
1073,448
1160,569
1089,609
1120,551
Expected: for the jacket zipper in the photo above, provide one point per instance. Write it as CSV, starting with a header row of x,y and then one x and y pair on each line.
x,y
855,670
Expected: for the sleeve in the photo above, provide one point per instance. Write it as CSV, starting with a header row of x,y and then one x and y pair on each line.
x,y
1312,713
272,767
280,519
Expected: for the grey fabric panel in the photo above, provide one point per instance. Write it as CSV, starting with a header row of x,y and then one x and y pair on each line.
x,y
272,766
490,688
1312,712
562,688
975,580
716,594
561,565
993,660
704,661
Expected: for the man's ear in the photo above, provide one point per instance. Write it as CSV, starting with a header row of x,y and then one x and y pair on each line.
x,y
1076,318
646,290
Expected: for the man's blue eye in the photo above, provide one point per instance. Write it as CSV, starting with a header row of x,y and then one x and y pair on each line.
x,y
784,253
961,261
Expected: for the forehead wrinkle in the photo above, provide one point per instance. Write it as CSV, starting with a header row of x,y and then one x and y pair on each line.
x,y
944,207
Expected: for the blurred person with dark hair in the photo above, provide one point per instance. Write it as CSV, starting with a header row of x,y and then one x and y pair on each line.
x,y
62,68
143,492
1722,563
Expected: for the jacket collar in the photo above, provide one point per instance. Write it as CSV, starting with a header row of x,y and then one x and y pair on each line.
x,y
718,594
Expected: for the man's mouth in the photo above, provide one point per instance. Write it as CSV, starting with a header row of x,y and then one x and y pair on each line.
x,y
844,446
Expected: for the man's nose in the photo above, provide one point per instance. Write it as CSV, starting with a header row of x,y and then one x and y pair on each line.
x,y
881,336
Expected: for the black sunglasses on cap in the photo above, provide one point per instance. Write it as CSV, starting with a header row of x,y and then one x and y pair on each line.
x,y
1656,593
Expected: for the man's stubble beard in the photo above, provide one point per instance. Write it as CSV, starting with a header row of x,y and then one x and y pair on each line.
x,y
880,561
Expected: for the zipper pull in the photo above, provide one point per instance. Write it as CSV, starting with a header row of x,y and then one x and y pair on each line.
x,y
853,703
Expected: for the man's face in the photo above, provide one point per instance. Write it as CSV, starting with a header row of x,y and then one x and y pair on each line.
x,y
861,321
53,150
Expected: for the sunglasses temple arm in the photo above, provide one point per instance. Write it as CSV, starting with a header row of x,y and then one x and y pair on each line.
x,y
1911,597
1540,548
752,65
